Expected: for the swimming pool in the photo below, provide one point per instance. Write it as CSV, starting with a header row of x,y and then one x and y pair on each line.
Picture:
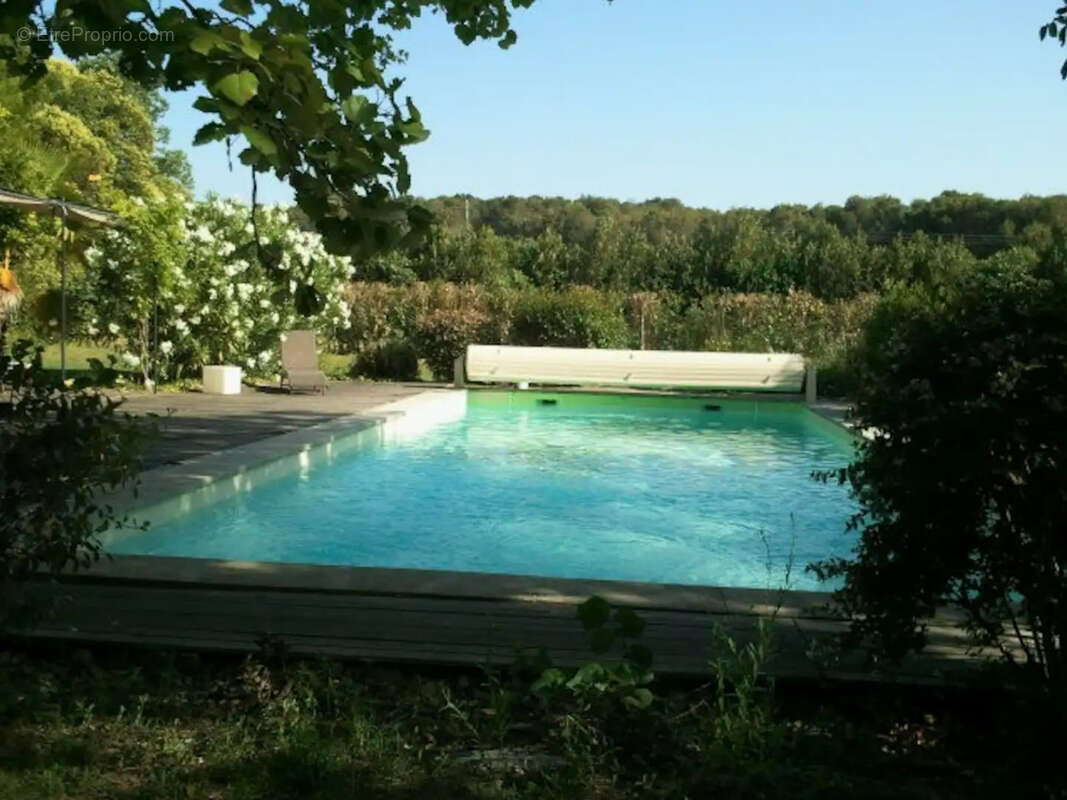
x,y
625,487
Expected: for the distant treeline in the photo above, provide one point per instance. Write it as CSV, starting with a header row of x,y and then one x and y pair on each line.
x,y
833,252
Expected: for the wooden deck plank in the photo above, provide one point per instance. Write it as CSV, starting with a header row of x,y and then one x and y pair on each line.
x,y
285,609
430,630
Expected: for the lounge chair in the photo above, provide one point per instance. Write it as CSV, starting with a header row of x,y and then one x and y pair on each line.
x,y
300,362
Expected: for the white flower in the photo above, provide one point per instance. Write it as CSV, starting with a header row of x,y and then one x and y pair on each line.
x,y
130,359
195,319
92,330
112,328
264,303
179,309
202,234
264,355
53,322
166,346
212,294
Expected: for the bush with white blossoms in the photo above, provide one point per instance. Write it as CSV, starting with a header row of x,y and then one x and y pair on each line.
x,y
229,294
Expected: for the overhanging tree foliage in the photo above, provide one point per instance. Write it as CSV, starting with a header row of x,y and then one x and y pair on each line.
x,y
1057,31
303,82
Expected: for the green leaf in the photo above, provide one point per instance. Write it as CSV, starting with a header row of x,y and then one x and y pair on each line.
x,y
403,177
238,87
358,108
361,161
413,111
209,105
414,132
260,140
640,655
371,74
508,39
355,72
270,256
206,41
601,639
250,47
240,7
639,698
587,675
308,301
594,612
551,678
211,132
629,623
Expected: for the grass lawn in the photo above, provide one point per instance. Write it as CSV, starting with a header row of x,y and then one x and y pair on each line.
x,y
337,366
78,356
110,723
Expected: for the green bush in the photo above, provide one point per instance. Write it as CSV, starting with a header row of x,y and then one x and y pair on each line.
x,y
444,333
61,449
961,489
378,312
797,322
393,360
440,319
576,317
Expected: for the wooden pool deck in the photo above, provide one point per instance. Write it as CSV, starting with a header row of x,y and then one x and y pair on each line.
x,y
194,424
455,619
411,616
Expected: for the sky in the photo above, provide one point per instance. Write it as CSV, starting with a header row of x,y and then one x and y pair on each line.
x,y
723,104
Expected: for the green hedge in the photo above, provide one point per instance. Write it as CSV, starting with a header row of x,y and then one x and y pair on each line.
x,y
574,317
436,321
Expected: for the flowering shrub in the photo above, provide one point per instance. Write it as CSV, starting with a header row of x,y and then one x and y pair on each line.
x,y
227,289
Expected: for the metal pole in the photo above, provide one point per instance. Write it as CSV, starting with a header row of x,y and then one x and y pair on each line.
x,y
155,339
63,293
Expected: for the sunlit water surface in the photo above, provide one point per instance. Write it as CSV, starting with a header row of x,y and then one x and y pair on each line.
x,y
592,487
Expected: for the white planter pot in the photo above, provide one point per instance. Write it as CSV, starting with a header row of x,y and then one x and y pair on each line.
x,y
222,379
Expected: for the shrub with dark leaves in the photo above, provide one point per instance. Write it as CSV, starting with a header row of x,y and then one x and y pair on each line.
x,y
61,449
963,483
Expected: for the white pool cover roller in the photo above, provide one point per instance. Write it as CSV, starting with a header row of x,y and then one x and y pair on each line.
x,y
765,372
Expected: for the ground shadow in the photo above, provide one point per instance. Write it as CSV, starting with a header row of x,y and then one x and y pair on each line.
x,y
181,437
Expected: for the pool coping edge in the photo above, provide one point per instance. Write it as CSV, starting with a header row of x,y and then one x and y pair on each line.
x,y
222,574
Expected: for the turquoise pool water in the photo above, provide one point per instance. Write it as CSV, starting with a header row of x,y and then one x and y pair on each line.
x,y
585,486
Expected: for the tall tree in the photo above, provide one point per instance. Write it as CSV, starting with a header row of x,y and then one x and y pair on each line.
x,y
82,133
303,82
